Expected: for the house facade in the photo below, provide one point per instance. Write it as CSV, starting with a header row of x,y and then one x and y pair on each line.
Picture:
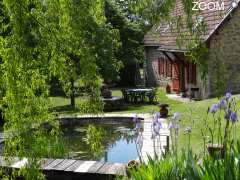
x,y
166,63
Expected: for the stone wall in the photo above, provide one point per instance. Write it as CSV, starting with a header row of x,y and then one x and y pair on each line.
x,y
151,68
224,61
224,57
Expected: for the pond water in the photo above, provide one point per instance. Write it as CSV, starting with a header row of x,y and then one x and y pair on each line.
x,y
104,142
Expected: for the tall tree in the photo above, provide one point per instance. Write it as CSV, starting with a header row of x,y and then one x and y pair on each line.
x,y
131,29
87,44
46,38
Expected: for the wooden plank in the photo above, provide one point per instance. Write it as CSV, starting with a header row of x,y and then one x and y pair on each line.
x,y
64,165
148,142
113,169
20,164
85,166
52,164
74,166
45,162
95,167
2,135
7,162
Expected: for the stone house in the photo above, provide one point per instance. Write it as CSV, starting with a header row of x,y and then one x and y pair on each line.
x,y
166,62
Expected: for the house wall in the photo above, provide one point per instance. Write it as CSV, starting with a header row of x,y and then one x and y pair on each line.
x,y
223,62
152,75
151,68
224,57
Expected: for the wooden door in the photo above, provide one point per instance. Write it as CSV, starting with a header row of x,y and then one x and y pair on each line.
x,y
176,77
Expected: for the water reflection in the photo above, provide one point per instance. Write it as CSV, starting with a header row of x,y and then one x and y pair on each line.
x,y
108,143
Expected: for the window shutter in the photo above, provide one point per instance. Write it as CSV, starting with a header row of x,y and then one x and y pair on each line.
x,y
160,66
169,68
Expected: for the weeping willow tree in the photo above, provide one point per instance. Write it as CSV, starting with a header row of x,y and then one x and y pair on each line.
x,y
47,38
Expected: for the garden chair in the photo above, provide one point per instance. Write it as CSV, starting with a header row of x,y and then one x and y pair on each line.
x,y
152,96
125,95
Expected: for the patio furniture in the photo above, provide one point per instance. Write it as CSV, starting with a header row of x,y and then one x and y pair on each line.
x,y
152,95
125,95
139,94
113,103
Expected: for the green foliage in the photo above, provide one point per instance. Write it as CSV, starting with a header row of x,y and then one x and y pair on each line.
x,y
106,43
151,10
131,30
190,166
24,75
48,38
163,168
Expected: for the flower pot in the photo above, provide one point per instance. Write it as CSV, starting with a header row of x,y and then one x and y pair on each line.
x,y
168,89
131,165
163,110
215,150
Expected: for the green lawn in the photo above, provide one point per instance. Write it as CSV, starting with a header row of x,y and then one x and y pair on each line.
x,y
192,114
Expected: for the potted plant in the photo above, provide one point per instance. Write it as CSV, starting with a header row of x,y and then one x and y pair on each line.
x,y
168,89
132,165
163,110
228,105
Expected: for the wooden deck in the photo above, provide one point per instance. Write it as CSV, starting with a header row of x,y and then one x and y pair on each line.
x,y
159,145
71,168
1,138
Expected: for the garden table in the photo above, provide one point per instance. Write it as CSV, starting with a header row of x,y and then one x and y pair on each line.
x,y
139,94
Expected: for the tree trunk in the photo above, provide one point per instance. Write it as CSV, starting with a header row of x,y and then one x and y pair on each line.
x,y
72,96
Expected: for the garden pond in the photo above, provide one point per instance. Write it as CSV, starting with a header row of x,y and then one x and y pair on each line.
x,y
100,142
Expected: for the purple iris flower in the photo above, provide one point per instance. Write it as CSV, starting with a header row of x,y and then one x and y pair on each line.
x,y
177,128
223,104
233,117
213,109
176,116
155,118
138,126
158,115
170,126
156,125
135,118
187,130
228,114
156,129
228,96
